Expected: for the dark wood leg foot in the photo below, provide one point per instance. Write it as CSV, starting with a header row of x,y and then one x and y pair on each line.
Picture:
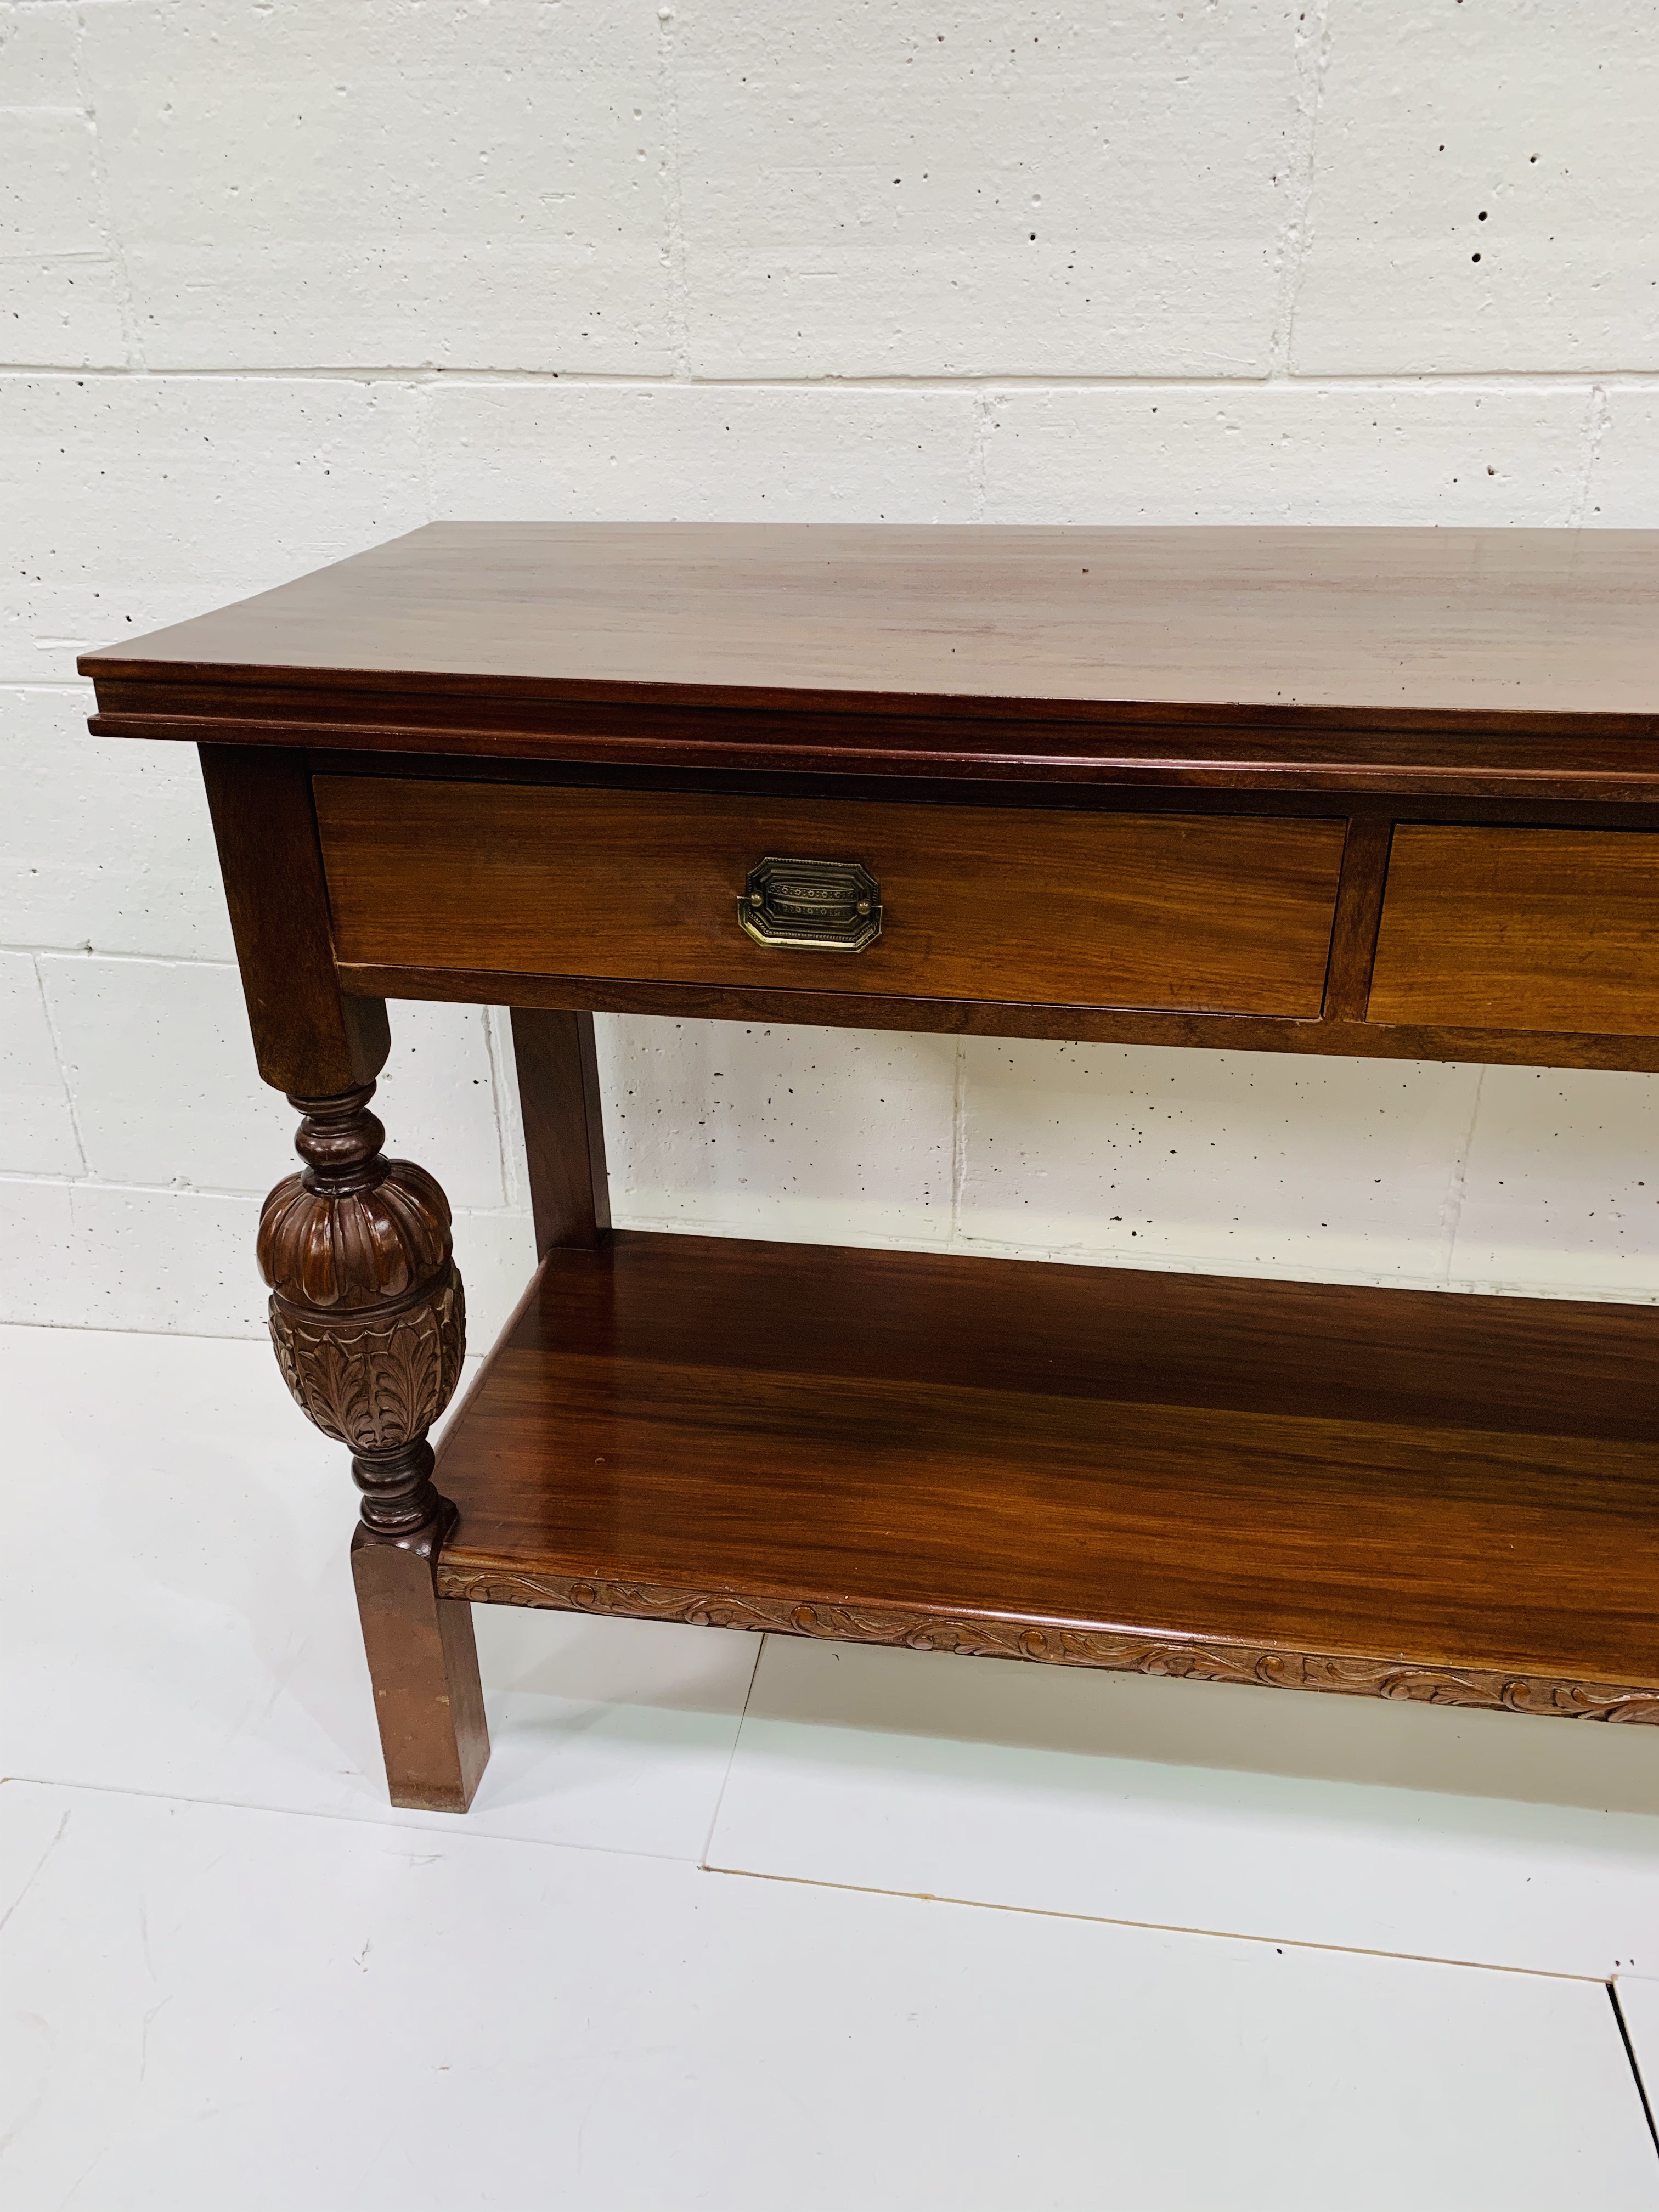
x,y
369,1320
423,1663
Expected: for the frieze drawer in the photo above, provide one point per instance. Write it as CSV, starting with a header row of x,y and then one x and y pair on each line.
x,y
1512,928
1165,911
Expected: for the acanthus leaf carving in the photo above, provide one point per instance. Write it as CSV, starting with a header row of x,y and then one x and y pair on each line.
x,y
368,1315
374,1384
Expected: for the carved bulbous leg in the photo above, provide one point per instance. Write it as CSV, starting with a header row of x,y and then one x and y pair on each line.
x,y
367,1311
369,1320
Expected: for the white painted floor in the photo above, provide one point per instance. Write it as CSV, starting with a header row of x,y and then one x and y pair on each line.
x,y
841,1924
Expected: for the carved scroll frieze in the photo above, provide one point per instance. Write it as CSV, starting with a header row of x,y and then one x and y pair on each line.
x,y
1210,1662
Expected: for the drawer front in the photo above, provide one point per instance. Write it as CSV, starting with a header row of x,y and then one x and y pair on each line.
x,y
1521,929
1224,914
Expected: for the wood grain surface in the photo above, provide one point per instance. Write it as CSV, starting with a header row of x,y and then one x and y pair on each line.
x,y
1342,1039
556,1064
1451,1482
1149,910
1521,929
1358,908
1500,624
1403,1494
310,1039
423,1666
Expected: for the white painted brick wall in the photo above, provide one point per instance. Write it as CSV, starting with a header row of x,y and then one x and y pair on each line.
x,y
995,190
276,282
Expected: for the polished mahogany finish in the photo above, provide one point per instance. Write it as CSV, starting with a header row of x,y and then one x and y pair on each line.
x,y
559,1103
368,1323
1358,1040
1450,1485
309,1037
1521,929
1377,793
1404,660
1505,625
1231,913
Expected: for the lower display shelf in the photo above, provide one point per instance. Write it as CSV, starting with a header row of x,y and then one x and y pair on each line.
x,y
1397,1494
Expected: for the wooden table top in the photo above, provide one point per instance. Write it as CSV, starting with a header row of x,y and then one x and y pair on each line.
x,y
1501,630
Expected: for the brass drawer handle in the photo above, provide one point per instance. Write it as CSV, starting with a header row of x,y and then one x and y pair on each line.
x,y
813,906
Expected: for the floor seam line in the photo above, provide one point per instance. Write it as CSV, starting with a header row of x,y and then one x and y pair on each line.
x,y
731,1761
1164,1927
386,1823
1635,2063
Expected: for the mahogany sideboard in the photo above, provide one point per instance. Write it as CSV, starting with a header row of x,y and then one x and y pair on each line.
x,y
1380,792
